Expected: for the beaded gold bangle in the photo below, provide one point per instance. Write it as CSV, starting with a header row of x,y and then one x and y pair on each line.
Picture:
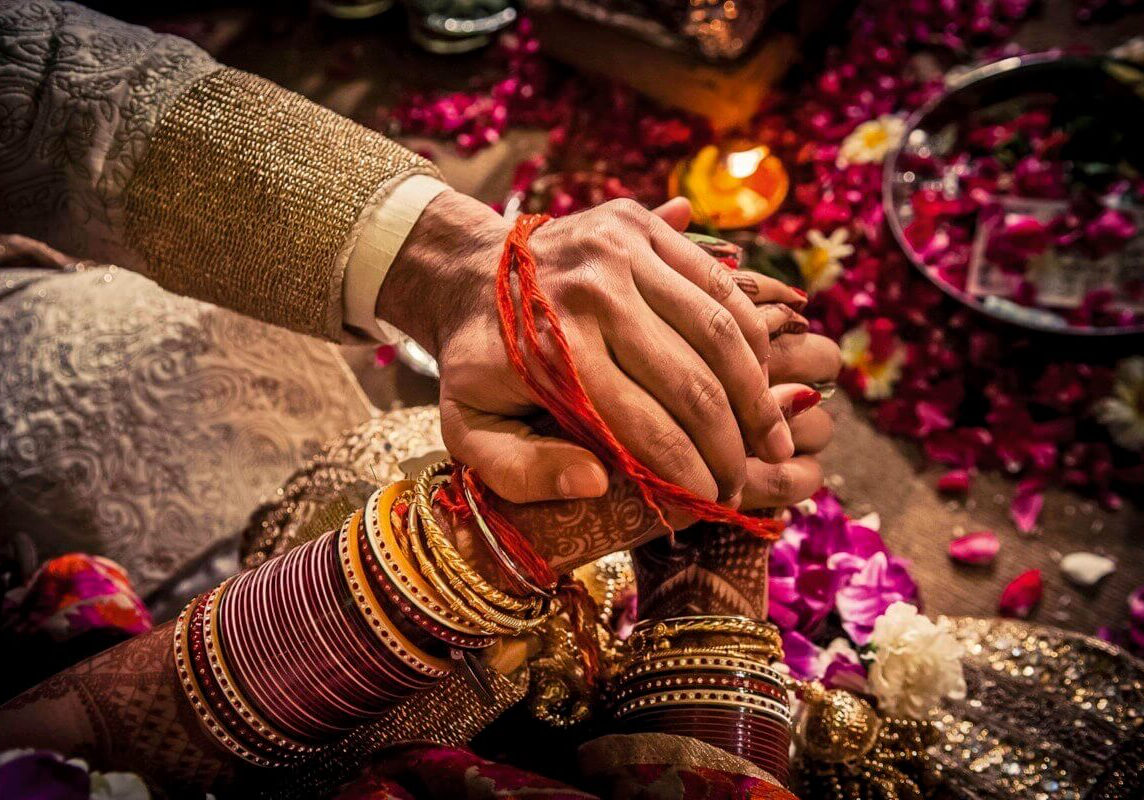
x,y
658,634
230,687
185,667
368,605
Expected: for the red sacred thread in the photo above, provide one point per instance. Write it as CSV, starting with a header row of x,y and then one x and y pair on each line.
x,y
560,390
511,540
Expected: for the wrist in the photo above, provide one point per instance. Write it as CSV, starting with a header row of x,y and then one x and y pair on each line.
x,y
442,268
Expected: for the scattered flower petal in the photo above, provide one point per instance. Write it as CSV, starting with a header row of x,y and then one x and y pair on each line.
x,y
1087,569
979,547
1021,596
1027,503
956,481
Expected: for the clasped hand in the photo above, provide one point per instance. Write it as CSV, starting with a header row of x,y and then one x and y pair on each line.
x,y
695,368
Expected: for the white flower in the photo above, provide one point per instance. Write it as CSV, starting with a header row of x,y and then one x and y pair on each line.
x,y
1123,411
878,377
821,262
870,141
916,663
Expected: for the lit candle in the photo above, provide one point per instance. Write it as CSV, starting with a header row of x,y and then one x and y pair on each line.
x,y
733,185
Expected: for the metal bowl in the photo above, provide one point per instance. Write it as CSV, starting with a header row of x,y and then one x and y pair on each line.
x,y
1106,88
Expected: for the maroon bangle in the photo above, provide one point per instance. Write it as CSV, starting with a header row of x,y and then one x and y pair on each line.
x,y
300,650
400,608
739,682
212,692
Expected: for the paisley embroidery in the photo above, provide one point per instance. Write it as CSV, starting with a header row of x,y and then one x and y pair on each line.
x,y
145,427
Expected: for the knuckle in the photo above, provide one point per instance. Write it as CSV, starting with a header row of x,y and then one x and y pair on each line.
x,y
703,397
720,284
671,449
626,209
780,482
722,328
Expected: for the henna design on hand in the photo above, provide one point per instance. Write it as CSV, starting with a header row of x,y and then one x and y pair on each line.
x,y
121,709
707,569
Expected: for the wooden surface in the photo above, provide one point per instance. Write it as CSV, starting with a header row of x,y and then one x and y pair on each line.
x,y
871,472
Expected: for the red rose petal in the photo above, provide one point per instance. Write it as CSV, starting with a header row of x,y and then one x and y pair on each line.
x,y
979,547
1021,596
954,481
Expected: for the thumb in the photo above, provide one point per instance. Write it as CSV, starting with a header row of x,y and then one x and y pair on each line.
x,y
515,462
676,212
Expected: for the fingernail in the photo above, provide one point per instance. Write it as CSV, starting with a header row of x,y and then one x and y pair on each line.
x,y
582,480
800,292
802,401
780,445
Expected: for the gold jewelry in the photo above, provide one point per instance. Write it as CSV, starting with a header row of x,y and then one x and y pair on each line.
x,y
486,618
199,703
658,634
707,697
230,687
503,559
448,558
468,594
397,565
371,609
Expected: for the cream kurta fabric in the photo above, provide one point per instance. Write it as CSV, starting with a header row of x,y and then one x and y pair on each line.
x,y
144,426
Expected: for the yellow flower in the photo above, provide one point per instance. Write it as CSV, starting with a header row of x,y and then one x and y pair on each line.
x,y
1123,411
870,141
878,377
820,263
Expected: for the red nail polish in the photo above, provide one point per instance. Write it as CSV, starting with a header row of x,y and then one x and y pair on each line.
x,y
800,292
804,400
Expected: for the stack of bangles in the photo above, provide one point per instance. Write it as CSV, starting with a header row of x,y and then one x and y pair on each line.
x,y
281,660
711,678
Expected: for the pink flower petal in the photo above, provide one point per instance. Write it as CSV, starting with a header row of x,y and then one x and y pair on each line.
x,y
1027,503
979,547
1021,596
956,481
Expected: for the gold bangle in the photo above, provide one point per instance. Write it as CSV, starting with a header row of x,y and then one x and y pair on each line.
x,y
398,566
447,556
198,702
371,609
474,609
772,708
444,568
651,634
230,687
503,559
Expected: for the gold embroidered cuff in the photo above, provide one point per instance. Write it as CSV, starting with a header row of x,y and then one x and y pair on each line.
x,y
247,195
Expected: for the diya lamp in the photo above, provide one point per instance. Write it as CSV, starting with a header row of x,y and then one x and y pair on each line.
x,y
735,184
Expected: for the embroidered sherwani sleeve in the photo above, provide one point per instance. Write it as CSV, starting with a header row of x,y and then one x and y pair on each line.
x,y
124,145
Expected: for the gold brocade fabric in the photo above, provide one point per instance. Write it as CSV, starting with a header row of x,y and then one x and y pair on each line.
x,y
1047,715
248,196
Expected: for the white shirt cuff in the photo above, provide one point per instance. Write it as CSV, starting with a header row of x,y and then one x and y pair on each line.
x,y
386,228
